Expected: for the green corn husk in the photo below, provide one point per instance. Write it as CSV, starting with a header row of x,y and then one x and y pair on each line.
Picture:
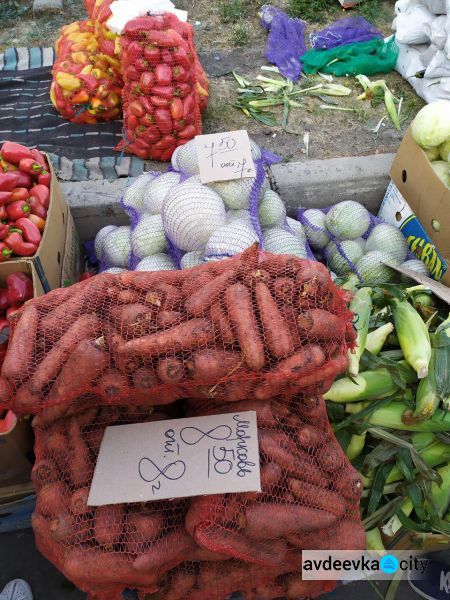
x,y
433,455
441,344
356,445
394,524
391,417
427,397
373,540
361,307
377,338
440,494
413,336
368,385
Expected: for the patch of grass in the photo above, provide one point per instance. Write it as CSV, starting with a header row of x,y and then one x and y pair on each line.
x,y
11,10
373,11
310,10
240,35
232,11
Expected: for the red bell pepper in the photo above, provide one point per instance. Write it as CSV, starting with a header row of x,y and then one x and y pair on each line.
x,y
141,64
176,109
183,89
182,58
137,109
132,121
151,134
15,242
42,193
167,154
29,165
38,221
8,181
133,51
165,142
179,73
20,288
29,230
159,102
4,302
45,178
36,208
14,153
136,89
163,74
5,197
132,73
3,213
5,252
147,105
19,193
39,158
4,230
90,81
163,120
188,106
140,152
189,132
11,310
165,39
164,91
25,180
18,209
152,55
6,167
147,81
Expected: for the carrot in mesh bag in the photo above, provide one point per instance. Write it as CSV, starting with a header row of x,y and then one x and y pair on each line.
x,y
161,96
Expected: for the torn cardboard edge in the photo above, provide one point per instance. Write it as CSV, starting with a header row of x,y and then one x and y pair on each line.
x,y
441,290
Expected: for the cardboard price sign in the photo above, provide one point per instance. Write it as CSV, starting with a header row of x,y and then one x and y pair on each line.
x,y
225,156
175,459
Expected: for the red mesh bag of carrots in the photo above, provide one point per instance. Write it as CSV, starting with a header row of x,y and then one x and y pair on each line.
x,y
163,84
256,325
200,548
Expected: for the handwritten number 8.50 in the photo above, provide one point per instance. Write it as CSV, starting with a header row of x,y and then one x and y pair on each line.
x,y
222,464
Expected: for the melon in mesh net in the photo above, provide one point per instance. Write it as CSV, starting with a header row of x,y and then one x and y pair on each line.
x,y
236,193
100,239
279,241
336,262
157,262
387,238
272,210
117,247
191,213
191,259
372,270
133,198
315,228
347,220
148,237
230,239
297,229
156,191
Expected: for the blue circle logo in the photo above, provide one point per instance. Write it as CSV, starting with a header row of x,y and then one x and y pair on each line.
x,y
389,564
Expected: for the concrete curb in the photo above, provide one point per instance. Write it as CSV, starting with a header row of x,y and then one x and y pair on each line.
x,y
316,183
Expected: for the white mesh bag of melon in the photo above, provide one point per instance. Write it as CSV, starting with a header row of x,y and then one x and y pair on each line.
x,y
133,198
100,239
230,239
387,238
297,229
191,213
114,270
117,248
315,228
442,170
185,159
279,241
348,220
148,237
444,151
272,210
236,193
337,262
191,259
157,262
156,192
372,270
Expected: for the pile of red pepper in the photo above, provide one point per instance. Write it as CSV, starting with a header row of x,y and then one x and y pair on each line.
x,y
162,86
19,289
24,199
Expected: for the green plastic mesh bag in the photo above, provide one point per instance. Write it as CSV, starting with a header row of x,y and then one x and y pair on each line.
x,y
361,58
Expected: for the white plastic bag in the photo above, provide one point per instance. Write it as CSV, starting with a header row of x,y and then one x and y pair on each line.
x,y
404,6
428,55
439,66
436,31
437,7
447,29
410,26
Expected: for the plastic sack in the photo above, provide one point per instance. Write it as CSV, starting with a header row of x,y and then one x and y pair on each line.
x,y
403,6
87,84
133,326
344,31
362,58
447,29
286,41
410,27
436,32
161,97
203,547
437,7
439,66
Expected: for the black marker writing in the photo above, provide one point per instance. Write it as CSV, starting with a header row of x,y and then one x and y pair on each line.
x,y
194,435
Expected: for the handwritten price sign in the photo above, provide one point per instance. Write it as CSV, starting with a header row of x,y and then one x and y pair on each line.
x,y
172,459
225,156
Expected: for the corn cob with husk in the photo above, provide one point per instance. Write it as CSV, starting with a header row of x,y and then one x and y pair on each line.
x,y
441,344
377,338
413,336
361,307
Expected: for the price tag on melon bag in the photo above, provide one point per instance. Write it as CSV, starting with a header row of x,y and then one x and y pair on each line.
x,y
218,454
225,156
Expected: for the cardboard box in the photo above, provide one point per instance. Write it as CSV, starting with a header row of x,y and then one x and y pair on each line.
x,y
427,196
71,265
21,266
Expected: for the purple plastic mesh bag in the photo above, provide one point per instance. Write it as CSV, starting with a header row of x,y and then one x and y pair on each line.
x,y
286,41
344,31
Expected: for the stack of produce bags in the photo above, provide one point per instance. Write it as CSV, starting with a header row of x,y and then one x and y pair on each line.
x,y
265,332
422,33
176,222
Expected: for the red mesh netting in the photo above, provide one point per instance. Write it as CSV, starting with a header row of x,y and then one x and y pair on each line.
x,y
254,326
165,87
204,547
256,332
